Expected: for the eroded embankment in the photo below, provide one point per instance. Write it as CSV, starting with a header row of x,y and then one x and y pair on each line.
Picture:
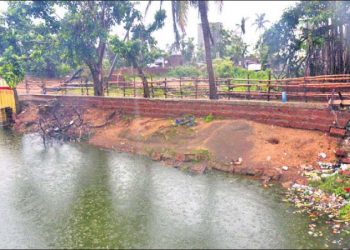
x,y
238,146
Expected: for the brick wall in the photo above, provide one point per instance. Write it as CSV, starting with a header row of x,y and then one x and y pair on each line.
x,y
313,116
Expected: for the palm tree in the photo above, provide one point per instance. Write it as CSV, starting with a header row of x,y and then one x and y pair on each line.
x,y
179,11
241,26
260,21
203,11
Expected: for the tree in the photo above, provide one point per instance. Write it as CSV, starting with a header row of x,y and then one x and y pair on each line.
x,y
84,32
36,40
242,25
179,13
12,71
311,38
80,36
203,10
141,49
260,21
232,45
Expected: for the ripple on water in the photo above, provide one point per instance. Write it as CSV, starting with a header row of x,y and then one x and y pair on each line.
x,y
73,195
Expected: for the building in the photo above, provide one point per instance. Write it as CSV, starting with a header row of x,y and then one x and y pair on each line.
x,y
215,29
175,60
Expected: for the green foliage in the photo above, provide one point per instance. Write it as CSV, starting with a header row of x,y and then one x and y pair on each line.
x,y
224,68
52,43
141,49
344,212
185,71
31,29
297,42
201,155
209,118
11,68
232,46
330,184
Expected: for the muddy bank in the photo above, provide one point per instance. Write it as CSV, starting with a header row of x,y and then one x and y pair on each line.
x,y
238,146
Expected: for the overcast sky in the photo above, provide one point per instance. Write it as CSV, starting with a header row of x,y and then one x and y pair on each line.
x,y
231,14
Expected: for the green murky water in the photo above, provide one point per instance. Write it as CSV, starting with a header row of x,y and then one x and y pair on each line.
x,y
77,196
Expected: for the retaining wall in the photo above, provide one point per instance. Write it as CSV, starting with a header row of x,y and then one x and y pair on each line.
x,y
312,116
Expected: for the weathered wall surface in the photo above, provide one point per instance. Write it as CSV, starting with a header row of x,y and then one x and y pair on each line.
x,y
312,116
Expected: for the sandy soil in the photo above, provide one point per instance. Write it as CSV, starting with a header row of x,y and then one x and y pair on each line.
x,y
263,148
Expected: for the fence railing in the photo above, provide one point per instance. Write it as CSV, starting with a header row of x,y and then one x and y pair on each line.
x,y
316,88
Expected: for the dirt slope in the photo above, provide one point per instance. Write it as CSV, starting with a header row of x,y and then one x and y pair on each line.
x,y
263,148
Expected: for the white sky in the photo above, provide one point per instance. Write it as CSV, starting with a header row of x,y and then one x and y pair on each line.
x,y
232,13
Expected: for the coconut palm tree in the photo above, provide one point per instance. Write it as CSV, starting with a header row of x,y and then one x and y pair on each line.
x,y
179,11
242,25
260,21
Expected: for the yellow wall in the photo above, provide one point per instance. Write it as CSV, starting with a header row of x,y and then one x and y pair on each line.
x,y
7,99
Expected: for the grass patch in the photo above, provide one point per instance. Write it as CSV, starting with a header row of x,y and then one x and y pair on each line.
x,y
168,153
149,151
209,118
344,212
334,184
201,155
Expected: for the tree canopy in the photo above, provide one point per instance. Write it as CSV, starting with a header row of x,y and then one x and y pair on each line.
x,y
310,39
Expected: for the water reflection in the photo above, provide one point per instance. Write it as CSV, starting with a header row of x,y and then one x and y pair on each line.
x,y
76,196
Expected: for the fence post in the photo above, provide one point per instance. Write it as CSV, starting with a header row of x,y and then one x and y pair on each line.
x,y
248,86
228,81
152,90
180,88
43,87
165,88
107,87
87,87
134,87
81,87
124,83
27,86
305,90
196,88
269,87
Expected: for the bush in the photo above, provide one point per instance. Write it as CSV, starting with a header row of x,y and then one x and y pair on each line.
x,y
185,71
201,155
63,69
224,68
209,118
344,212
330,185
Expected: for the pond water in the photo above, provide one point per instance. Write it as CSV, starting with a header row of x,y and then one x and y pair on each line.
x,y
77,196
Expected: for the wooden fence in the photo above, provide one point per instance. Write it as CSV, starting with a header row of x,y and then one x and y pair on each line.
x,y
317,88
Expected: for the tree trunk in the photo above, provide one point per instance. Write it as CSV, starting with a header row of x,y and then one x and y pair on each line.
x,y
97,79
146,92
202,6
17,103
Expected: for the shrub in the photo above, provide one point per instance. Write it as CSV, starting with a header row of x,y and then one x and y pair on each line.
x,y
344,212
224,68
209,118
201,155
185,71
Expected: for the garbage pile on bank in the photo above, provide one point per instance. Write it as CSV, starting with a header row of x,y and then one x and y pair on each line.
x,y
318,203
